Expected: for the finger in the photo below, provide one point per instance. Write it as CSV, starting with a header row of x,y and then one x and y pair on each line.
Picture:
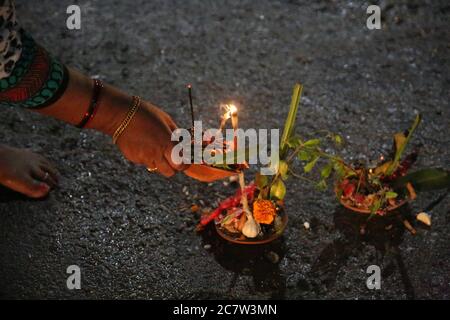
x,y
44,176
30,187
47,167
207,174
168,158
47,162
172,125
164,168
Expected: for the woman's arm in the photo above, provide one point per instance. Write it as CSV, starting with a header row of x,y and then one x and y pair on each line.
x,y
74,102
147,139
32,78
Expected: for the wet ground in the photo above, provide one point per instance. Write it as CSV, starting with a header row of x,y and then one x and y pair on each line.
x,y
132,234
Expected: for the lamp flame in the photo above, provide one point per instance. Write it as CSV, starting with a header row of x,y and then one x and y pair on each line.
x,y
232,109
230,112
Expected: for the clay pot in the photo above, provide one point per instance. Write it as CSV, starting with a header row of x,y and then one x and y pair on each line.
x,y
239,238
367,211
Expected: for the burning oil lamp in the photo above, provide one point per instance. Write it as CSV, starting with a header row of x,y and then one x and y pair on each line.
x,y
234,117
230,113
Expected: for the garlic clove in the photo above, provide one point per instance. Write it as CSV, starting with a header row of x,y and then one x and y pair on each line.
x,y
251,228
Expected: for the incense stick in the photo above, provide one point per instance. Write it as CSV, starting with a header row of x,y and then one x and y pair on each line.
x,y
189,86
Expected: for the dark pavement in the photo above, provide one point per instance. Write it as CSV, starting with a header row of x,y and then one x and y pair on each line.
x,y
132,233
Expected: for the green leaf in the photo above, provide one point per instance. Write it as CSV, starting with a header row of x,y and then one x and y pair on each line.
x,y
391,195
261,181
304,155
399,140
294,142
228,218
375,181
278,190
337,139
321,185
283,169
400,144
375,206
326,171
311,143
290,120
381,169
425,180
339,169
310,165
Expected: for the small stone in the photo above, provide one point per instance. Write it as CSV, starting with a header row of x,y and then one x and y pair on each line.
x,y
307,225
424,218
362,229
147,227
272,257
207,246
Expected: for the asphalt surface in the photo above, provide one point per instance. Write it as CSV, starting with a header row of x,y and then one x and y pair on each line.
x,y
132,233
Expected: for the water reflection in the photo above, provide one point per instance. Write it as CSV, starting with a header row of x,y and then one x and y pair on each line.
x,y
260,262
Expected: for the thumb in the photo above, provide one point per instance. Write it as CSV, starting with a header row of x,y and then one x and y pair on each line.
x,y
168,157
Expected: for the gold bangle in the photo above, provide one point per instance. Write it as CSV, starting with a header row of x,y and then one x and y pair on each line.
x,y
125,122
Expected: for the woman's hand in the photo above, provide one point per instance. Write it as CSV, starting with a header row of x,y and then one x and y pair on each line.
x,y
147,140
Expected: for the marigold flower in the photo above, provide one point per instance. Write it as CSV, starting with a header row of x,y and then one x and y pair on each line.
x,y
264,211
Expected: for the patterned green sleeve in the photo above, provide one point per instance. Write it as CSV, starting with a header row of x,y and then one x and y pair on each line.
x,y
37,79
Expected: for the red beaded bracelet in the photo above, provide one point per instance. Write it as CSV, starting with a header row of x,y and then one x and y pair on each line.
x,y
93,106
